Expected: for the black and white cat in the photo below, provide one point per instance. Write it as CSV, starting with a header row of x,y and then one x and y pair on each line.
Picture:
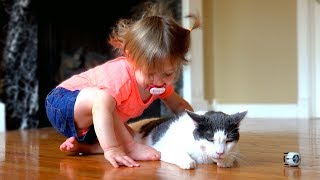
x,y
202,137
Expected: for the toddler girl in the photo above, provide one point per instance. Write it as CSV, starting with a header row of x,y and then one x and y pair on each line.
x,y
91,108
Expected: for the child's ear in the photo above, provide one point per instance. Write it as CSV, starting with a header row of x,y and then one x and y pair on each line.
x,y
126,53
129,57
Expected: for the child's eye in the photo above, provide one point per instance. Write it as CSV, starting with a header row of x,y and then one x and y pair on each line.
x,y
168,74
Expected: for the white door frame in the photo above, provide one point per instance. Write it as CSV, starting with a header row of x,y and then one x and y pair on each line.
x,y
193,74
316,107
308,28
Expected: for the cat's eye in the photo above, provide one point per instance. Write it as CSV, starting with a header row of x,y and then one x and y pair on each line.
x,y
211,140
229,140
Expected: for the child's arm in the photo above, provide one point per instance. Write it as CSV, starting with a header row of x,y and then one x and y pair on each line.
x,y
104,124
177,104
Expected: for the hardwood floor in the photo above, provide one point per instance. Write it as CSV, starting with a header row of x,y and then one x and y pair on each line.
x,y
34,154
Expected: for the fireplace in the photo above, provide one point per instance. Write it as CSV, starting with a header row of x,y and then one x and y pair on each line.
x,y
71,36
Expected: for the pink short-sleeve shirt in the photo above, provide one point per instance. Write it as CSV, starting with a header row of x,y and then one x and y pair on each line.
x,y
117,78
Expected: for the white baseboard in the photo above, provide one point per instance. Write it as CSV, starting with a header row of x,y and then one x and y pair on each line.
x,y
265,110
2,118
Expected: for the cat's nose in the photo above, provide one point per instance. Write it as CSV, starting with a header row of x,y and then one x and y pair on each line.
x,y
219,153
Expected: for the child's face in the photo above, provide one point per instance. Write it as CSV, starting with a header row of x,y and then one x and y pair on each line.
x,y
166,76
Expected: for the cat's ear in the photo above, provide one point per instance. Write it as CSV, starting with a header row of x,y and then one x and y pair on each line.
x,y
238,117
196,117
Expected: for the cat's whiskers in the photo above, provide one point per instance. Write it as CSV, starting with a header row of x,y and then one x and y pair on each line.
x,y
214,159
236,156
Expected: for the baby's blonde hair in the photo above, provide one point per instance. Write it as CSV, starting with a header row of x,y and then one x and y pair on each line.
x,y
153,38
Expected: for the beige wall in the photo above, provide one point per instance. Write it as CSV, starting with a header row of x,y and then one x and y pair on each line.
x,y
250,51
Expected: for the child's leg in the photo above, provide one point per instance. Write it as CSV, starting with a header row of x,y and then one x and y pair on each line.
x,y
135,150
62,108
81,120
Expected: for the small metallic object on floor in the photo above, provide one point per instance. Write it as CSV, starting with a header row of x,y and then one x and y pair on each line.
x,y
291,159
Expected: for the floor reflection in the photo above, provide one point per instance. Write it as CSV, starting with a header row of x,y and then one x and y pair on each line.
x,y
35,155
291,171
2,147
309,142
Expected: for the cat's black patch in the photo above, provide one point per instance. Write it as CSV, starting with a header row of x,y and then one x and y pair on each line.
x,y
160,126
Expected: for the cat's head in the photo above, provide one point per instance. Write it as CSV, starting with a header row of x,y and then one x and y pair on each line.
x,y
217,132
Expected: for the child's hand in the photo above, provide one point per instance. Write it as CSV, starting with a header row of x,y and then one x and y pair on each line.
x,y
116,157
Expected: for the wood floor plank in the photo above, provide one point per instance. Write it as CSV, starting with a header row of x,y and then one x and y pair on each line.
x,y
34,154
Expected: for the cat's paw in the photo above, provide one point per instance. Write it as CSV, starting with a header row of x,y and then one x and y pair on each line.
x,y
187,164
225,164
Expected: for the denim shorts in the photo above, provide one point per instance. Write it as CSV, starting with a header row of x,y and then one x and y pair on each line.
x,y
60,111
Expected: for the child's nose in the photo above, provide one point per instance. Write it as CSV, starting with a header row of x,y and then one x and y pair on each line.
x,y
157,80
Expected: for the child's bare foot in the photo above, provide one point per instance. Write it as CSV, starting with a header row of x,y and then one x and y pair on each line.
x,y
70,145
142,152
73,145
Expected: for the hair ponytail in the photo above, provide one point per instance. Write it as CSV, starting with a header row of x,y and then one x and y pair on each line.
x,y
196,23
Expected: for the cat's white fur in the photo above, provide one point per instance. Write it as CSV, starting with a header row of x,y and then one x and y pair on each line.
x,y
179,147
